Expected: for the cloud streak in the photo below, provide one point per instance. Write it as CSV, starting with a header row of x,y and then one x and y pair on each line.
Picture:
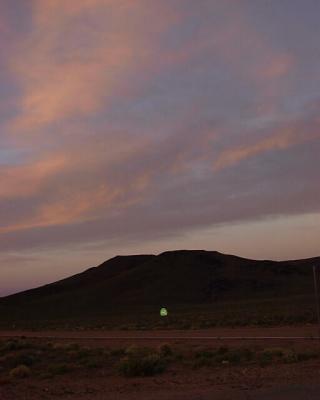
x,y
284,137
79,56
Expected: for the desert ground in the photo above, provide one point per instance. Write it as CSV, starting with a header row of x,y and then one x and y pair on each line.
x,y
272,363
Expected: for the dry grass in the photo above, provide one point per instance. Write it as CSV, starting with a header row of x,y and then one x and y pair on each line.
x,y
23,359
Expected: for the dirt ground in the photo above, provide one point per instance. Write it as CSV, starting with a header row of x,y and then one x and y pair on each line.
x,y
206,336
287,382
297,381
298,337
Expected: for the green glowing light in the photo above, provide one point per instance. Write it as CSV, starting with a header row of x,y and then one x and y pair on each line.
x,y
163,312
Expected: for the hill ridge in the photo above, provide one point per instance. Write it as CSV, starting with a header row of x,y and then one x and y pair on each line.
x,y
171,277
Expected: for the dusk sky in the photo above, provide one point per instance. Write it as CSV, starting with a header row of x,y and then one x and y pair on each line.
x,y
139,126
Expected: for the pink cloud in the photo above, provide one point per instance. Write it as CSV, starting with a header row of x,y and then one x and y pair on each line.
x,y
79,55
282,138
26,180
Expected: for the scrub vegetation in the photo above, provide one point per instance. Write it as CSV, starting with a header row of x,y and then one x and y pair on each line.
x,y
23,359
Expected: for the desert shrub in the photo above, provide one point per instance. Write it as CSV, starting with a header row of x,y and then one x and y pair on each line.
x,y
45,346
58,346
265,359
99,351
45,375
271,354
92,363
14,344
64,347
94,360
290,357
147,365
138,351
165,350
118,352
285,355
59,369
82,353
245,354
71,347
27,359
275,352
234,356
200,362
307,355
21,371
222,350
223,355
205,354
178,356
12,360
132,350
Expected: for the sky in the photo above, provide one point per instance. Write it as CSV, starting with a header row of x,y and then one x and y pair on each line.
x,y
142,126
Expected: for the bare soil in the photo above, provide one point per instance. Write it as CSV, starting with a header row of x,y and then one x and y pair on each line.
x,y
278,382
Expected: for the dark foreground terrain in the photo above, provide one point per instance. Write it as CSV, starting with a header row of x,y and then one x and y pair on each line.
x,y
161,365
201,289
237,329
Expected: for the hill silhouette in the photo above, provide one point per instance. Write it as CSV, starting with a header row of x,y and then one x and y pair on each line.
x,y
183,277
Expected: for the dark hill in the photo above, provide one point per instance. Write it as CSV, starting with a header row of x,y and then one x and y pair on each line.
x,y
186,277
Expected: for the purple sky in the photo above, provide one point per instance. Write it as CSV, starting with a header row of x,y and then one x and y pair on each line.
x,y
143,126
